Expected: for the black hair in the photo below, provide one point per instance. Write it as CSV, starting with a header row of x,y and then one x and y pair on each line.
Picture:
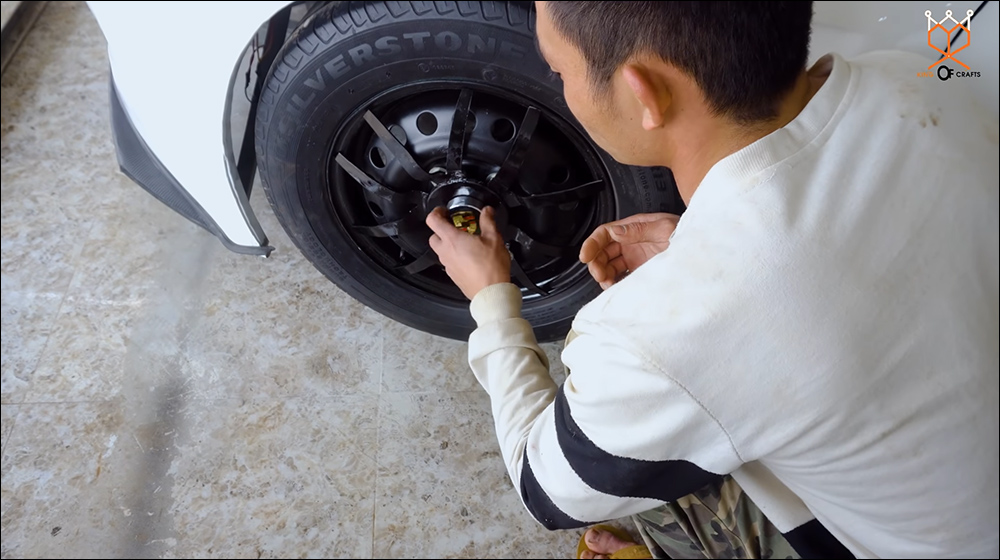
x,y
743,55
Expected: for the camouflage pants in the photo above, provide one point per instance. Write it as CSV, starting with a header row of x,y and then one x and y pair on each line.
x,y
718,521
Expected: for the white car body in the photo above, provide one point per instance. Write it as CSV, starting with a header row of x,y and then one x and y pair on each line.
x,y
173,64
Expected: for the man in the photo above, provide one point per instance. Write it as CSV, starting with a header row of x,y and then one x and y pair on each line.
x,y
807,360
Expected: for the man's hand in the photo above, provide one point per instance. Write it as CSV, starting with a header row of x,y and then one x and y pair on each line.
x,y
617,248
473,262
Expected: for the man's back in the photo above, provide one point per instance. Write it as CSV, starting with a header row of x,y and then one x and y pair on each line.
x,y
831,300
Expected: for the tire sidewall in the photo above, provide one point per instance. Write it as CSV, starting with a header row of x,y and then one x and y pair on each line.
x,y
317,85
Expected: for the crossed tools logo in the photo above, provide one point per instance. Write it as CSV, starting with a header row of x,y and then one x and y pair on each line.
x,y
956,36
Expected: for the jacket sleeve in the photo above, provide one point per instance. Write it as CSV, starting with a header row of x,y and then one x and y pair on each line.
x,y
618,437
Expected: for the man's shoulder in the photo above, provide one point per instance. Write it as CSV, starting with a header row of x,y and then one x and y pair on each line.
x,y
889,60
713,263
903,84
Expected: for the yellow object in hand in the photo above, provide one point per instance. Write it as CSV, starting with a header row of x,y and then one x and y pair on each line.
x,y
466,221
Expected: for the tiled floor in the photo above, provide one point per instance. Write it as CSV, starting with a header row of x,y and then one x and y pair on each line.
x,y
163,397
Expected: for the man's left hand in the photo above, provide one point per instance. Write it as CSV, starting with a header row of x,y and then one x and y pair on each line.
x,y
473,262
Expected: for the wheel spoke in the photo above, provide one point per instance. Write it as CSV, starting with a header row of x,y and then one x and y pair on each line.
x,y
522,277
506,176
423,262
530,244
568,195
399,152
394,228
459,131
375,188
389,229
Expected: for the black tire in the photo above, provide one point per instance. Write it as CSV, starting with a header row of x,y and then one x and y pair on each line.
x,y
351,52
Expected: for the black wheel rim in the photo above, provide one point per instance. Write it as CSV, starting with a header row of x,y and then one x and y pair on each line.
x,y
465,146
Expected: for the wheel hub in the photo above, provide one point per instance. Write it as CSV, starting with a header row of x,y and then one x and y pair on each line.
x,y
465,199
412,165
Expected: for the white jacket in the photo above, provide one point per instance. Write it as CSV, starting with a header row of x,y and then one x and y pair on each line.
x,y
824,326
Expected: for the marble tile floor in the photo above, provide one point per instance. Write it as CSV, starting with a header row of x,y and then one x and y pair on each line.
x,y
163,397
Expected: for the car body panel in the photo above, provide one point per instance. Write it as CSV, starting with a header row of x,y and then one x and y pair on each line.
x,y
173,64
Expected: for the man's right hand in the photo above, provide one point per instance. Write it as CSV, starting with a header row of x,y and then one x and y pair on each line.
x,y
617,248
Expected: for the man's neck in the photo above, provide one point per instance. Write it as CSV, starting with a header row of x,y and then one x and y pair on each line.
x,y
696,154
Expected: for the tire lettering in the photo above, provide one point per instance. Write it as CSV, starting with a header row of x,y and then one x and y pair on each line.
x,y
291,118
361,54
336,67
448,41
303,103
476,44
318,84
512,50
418,39
388,45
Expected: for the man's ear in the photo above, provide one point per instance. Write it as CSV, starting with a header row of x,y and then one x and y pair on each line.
x,y
651,93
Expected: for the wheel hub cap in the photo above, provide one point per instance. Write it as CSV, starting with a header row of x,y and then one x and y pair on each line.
x,y
465,168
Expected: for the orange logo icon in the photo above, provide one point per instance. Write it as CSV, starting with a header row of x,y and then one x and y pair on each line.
x,y
950,28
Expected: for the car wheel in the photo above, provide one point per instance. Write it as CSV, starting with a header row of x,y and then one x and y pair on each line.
x,y
376,112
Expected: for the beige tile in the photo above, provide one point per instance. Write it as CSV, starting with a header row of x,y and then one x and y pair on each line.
x,y
134,303
26,325
58,166
40,240
105,348
55,90
8,417
415,361
76,189
64,483
126,315
293,478
231,325
46,225
553,351
278,328
50,206
46,237
139,251
170,477
443,490
59,178
87,351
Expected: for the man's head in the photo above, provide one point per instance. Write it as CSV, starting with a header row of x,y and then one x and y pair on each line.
x,y
634,71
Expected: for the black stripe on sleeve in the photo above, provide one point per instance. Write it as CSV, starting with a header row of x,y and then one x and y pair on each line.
x,y
622,476
539,503
812,540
